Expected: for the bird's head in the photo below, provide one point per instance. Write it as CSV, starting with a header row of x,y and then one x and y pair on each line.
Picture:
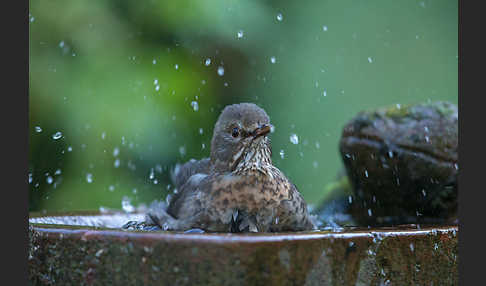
x,y
240,137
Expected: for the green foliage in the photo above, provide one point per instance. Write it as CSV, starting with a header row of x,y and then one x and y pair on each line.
x,y
121,75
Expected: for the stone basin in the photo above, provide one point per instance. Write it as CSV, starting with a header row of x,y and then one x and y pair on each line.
x,y
89,248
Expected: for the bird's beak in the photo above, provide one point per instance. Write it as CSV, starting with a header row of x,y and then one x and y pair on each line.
x,y
262,130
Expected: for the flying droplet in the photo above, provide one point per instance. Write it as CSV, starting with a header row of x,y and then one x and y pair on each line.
x,y
273,60
176,66
38,129
294,139
220,71
279,17
324,28
49,180
57,135
195,105
116,151
370,60
282,154
151,175
207,62
89,178
240,34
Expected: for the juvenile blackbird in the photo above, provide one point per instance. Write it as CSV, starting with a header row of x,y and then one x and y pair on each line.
x,y
237,189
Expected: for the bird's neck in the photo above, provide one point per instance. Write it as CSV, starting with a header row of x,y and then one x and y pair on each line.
x,y
255,160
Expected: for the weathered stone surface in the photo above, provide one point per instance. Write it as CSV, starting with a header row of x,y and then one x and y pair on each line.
x,y
403,164
83,255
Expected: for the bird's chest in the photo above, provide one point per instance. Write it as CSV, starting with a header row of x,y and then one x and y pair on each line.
x,y
251,191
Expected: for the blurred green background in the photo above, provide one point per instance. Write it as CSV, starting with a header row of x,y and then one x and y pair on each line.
x,y
120,91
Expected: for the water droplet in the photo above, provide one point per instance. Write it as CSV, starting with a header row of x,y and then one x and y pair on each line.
x,y
366,173
456,166
126,205
89,178
116,151
399,106
151,175
70,149
273,60
424,193
61,44
38,129
240,34
324,28
111,188
294,139
279,17
103,135
157,87
350,199
220,71
412,248
57,172
324,93
56,135
370,60
282,154
207,62
30,178
176,66
49,180
369,212
182,150
156,81
201,131
315,164
116,164
427,139
154,61
195,105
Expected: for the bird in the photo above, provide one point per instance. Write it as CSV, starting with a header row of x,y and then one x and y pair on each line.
x,y
237,188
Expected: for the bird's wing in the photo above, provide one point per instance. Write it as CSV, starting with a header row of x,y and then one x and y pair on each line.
x,y
186,193
182,173
300,218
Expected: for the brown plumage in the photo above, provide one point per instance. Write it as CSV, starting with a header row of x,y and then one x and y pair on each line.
x,y
237,188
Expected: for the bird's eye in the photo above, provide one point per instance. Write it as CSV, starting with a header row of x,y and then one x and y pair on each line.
x,y
235,132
